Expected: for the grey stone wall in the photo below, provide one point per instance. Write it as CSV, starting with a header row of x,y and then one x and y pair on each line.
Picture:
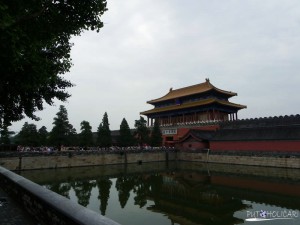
x,y
26,161
250,160
46,161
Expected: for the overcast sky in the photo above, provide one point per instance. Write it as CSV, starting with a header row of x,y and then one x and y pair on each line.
x,y
251,47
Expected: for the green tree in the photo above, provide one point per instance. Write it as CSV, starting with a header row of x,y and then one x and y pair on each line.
x,y
142,132
5,135
28,135
125,139
43,135
156,135
104,134
72,138
86,135
35,51
62,131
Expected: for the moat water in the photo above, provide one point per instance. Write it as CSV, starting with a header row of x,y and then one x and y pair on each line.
x,y
180,193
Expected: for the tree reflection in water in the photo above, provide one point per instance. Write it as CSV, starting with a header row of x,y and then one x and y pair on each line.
x,y
83,190
141,190
103,185
124,185
182,197
140,185
60,188
171,194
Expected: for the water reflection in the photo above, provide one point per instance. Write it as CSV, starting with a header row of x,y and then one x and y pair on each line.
x,y
103,185
61,188
124,185
83,190
176,194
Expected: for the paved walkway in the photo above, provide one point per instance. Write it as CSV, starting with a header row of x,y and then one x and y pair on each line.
x,y
11,213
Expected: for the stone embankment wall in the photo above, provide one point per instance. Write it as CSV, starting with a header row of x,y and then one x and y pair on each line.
x,y
77,159
27,161
253,160
46,206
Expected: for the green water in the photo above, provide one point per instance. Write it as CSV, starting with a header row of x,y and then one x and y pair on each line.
x,y
180,193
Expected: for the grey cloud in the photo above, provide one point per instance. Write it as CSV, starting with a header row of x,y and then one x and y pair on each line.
x,y
250,47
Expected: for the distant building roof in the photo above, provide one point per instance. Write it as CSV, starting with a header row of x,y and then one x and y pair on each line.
x,y
201,102
191,90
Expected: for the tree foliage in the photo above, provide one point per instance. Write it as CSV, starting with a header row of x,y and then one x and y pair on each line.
x,y
142,132
43,136
104,134
28,136
62,132
156,135
126,138
35,51
86,134
5,135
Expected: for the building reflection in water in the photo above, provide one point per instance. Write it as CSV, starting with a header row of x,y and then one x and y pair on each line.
x,y
190,201
185,197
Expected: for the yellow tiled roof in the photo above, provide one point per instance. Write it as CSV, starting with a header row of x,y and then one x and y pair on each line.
x,y
192,104
190,90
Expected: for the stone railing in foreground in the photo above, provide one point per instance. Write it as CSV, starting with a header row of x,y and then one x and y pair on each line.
x,y
46,206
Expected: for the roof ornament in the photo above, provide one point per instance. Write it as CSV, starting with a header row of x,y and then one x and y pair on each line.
x,y
171,89
207,80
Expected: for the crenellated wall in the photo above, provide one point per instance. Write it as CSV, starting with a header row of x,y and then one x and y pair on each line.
x,y
286,120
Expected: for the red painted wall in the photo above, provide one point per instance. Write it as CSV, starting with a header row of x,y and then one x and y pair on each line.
x,y
182,131
192,145
292,146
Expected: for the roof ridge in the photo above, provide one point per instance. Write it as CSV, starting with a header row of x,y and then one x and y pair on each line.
x,y
191,90
194,85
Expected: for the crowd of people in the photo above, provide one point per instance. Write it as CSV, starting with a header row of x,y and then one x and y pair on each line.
x,y
49,149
